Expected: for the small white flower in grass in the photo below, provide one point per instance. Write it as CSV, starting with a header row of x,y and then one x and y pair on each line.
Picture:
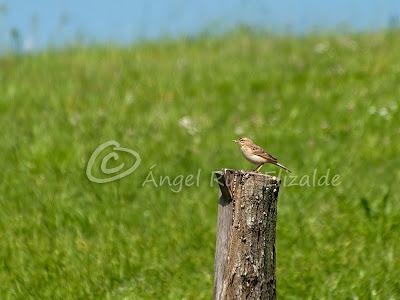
x,y
239,130
384,113
129,98
321,47
349,43
188,124
74,119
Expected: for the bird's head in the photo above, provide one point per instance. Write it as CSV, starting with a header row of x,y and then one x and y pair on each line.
x,y
243,141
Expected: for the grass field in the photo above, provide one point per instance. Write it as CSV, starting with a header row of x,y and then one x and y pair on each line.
x,y
317,102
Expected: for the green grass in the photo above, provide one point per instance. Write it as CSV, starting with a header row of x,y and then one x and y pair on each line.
x,y
325,102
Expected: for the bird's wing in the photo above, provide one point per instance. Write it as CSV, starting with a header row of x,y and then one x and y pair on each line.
x,y
261,152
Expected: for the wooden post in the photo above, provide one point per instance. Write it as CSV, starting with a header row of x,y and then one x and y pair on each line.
x,y
245,250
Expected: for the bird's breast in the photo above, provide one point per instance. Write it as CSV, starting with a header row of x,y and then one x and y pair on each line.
x,y
255,159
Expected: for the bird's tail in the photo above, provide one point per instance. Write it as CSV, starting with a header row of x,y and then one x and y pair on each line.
x,y
283,167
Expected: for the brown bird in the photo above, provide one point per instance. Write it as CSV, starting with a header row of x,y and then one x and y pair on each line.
x,y
257,155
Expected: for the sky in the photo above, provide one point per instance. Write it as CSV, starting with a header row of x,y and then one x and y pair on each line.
x,y
37,24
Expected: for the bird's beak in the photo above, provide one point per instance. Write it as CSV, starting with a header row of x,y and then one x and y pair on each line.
x,y
236,141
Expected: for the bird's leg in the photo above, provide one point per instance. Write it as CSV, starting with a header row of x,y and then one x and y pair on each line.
x,y
258,168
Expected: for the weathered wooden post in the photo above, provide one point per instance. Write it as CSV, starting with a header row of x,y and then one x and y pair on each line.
x,y
245,250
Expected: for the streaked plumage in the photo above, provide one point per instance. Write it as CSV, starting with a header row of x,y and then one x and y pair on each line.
x,y
257,155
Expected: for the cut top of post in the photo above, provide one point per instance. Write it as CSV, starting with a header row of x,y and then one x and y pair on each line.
x,y
227,180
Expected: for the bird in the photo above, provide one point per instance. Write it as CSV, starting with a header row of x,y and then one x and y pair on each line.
x,y
257,155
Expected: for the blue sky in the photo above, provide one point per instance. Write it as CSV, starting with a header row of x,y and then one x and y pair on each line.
x,y
44,22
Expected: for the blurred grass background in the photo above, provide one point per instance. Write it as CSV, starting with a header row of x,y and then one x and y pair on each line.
x,y
319,101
